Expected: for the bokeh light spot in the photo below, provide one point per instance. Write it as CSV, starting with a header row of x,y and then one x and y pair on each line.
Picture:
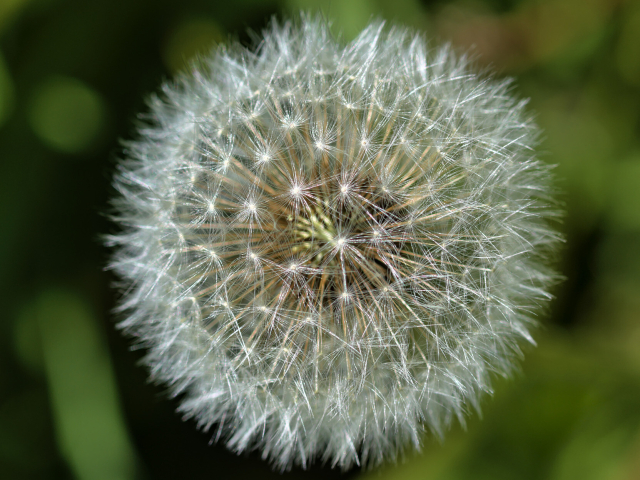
x,y
90,429
9,9
66,114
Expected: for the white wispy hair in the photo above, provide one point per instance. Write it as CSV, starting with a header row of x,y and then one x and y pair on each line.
x,y
329,248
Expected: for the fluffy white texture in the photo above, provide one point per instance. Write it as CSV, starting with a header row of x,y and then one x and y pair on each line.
x,y
327,248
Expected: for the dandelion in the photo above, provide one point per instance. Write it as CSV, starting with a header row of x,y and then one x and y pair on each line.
x,y
328,249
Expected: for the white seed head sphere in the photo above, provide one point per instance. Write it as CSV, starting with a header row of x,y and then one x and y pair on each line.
x,y
329,248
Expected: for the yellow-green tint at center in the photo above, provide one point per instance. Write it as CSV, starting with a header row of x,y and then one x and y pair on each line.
x,y
318,225
311,233
66,114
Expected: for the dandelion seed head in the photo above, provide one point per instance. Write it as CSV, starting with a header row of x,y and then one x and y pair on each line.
x,y
329,249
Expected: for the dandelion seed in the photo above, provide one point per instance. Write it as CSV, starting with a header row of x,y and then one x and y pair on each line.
x,y
375,251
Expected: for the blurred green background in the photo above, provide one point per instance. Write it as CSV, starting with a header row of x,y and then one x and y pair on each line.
x,y
73,76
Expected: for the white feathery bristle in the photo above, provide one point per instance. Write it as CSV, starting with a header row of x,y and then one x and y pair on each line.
x,y
330,248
